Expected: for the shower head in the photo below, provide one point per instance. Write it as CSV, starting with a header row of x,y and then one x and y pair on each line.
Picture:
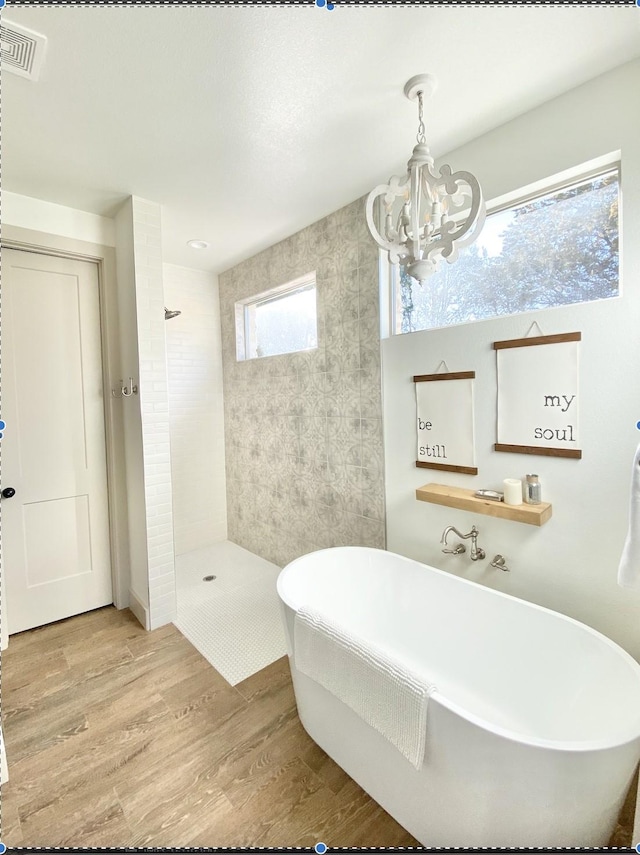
x,y
168,313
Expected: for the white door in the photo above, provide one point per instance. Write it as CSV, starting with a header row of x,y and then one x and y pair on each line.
x,y
55,528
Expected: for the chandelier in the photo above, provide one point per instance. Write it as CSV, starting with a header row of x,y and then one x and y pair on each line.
x,y
427,216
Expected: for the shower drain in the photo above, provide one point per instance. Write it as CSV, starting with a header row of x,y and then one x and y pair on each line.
x,y
208,578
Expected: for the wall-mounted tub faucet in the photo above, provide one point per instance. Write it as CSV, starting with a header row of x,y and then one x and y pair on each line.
x,y
476,552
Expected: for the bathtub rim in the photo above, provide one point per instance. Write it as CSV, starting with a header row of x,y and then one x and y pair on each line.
x,y
463,712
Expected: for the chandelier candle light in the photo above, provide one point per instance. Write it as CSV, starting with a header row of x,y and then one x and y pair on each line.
x,y
437,214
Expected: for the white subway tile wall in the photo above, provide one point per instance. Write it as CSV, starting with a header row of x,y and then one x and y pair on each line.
x,y
196,410
154,403
303,431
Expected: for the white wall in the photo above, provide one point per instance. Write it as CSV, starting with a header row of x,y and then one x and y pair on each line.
x,y
29,213
194,367
154,406
569,564
131,415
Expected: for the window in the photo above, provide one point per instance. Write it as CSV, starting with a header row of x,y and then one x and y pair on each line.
x,y
280,320
550,248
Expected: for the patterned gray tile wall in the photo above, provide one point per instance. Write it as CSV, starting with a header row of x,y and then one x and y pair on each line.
x,y
303,431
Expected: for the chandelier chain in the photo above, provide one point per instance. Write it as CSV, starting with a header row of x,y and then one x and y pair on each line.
x,y
420,136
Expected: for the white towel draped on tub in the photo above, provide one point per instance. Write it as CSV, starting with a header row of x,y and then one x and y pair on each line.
x,y
379,689
629,569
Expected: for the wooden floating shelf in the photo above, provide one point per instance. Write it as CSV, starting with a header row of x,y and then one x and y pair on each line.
x,y
464,500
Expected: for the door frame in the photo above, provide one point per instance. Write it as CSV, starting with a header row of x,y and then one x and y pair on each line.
x,y
104,257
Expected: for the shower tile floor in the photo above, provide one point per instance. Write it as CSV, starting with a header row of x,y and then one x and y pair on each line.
x,y
234,621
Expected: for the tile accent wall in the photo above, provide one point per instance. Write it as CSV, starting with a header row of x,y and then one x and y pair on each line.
x,y
147,252
196,416
303,432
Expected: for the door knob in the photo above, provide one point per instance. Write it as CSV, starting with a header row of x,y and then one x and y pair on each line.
x,y
8,492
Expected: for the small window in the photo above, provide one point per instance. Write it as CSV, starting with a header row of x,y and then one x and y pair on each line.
x,y
280,320
553,248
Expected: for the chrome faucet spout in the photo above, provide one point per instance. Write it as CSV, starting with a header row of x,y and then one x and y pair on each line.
x,y
447,532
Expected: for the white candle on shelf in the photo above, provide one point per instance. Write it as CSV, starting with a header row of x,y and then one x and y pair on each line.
x,y
512,491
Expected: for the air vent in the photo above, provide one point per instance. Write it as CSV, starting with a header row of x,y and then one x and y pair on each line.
x,y
22,50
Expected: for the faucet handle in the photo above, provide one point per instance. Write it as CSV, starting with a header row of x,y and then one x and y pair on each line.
x,y
458,549
499,561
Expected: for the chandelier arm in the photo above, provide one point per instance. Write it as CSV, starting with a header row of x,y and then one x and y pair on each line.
x,y
465,239
469,228
394,248
448,246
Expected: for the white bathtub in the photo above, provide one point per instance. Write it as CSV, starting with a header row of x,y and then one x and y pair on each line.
x,y
533,734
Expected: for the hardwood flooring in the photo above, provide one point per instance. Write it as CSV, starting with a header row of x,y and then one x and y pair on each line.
x,y
118,737
122,738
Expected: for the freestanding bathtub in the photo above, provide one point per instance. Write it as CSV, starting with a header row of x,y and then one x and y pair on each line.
x,y
533,732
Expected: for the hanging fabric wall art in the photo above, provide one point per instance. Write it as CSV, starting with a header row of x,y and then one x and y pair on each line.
x,y
538,395
444,405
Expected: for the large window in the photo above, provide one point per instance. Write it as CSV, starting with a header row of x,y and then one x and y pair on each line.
x,y
553,248
281,320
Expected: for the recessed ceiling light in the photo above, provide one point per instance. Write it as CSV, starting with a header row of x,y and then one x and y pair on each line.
x,y
197,244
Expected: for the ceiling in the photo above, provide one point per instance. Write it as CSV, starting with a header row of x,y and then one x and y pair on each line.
x,y
248,123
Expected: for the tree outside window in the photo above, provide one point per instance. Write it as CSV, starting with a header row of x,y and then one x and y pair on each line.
x,y
554,250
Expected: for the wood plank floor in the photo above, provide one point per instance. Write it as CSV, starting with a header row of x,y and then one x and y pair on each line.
x,y
119,737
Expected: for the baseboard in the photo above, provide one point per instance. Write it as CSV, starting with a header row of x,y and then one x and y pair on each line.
x,y
139,610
